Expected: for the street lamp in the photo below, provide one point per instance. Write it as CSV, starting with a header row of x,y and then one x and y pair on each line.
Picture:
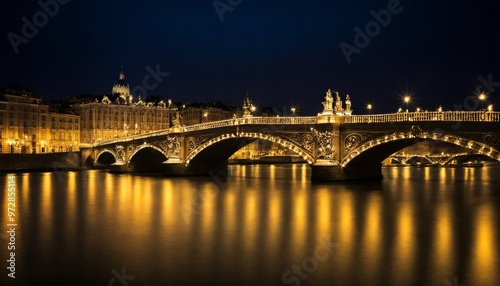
x,y
482,98
205,116
293,111
490,107
11,146
369,107
252,109
407,100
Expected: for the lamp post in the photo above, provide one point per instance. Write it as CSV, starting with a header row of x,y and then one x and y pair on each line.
x,y
490,107
369,107
293,111
407,100
252,109
205,116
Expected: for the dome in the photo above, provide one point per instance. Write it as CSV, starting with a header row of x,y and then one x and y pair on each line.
x,y
121,87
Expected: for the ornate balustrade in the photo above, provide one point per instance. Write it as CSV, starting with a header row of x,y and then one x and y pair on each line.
x,y
473,116
252,120
491,116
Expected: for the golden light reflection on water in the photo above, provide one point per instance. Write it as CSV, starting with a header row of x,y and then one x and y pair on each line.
x,y
345,231
91,188
443,253
299,220
371,244
323,216
46,201
399,231
485,266
274,220
404,244
167,204
71,197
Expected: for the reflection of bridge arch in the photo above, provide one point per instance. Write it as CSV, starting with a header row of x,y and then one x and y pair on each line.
x,y
418,157
464,156
105,151
242,139
377,150
143,146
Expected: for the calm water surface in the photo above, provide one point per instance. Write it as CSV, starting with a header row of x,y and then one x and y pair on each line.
x,y
268,225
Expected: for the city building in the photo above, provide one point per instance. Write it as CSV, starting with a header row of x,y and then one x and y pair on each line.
x,y
203,113
28,126
117,115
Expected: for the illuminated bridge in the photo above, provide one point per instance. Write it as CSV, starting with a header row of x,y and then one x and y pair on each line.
x,y
336,146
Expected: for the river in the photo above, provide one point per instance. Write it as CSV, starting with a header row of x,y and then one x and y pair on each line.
x,y
265,225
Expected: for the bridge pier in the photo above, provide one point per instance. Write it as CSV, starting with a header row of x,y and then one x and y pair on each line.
x,y
339,173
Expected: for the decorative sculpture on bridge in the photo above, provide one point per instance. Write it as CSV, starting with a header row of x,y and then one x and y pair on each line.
x,y
348,110
338,105
176,121
328,103
330,109
173,147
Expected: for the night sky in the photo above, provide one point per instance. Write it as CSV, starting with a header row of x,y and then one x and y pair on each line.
x,y
282,53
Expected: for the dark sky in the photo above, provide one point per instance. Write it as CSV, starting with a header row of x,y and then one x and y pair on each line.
x,y
282,52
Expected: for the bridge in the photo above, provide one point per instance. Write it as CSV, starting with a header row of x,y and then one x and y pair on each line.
x,y
337,146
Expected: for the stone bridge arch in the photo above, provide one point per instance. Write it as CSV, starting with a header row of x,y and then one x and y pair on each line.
x,y
134,150
374,151
218,149
103,152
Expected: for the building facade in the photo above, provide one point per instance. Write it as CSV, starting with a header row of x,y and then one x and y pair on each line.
x,y
27,125
118,115
196,115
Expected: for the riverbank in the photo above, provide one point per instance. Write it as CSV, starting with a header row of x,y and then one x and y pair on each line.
x,y
40,162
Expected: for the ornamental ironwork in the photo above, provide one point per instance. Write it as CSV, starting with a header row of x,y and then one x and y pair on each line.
x,y
305,140
326,148
193,142
354,140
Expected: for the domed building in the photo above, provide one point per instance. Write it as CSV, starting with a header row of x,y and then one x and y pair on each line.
x,y
121,88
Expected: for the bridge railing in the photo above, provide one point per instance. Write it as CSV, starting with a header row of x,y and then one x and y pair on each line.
x,y
253,120
491,116
216,124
